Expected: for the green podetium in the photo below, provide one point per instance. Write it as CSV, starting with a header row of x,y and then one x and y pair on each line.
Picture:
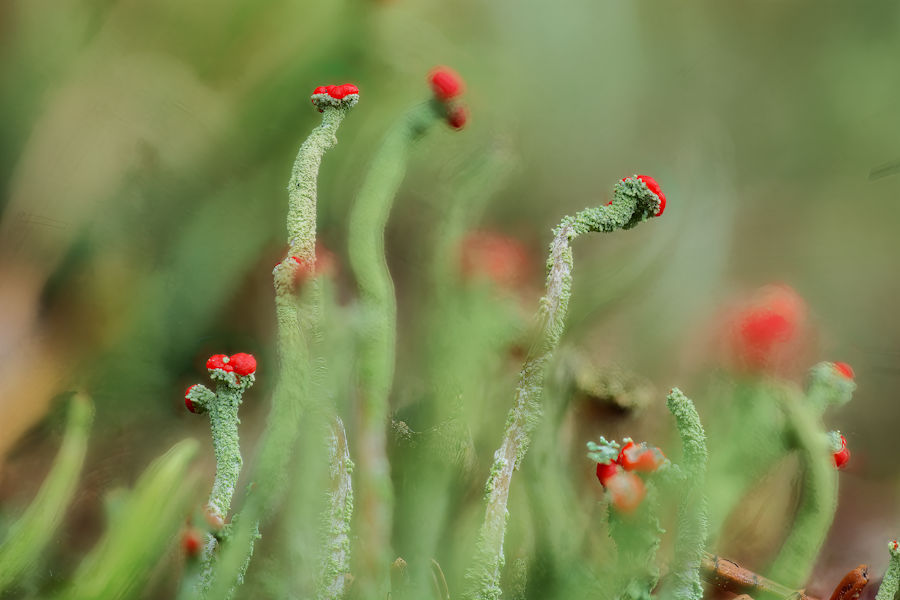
x,y
293,381
636,199
378,308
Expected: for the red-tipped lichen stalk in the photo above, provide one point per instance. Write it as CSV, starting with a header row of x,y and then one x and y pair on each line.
x,y
378,312
634,203
233,376
818,497
293,382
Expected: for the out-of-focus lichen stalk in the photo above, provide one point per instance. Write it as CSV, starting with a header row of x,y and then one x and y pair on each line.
x,y
633,203
336,566
30,534
891,581
684,581
637,538
378,314
818,496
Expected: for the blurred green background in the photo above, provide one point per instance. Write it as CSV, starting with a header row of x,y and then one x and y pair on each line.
x,y
145,149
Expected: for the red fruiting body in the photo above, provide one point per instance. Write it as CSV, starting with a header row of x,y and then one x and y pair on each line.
x,y
457,116
626,491
192,542
242,363
628,445
605,471
445,83
338,92
498,258
654,187
187,400
842,456
641,457
844,370
219,361
770,323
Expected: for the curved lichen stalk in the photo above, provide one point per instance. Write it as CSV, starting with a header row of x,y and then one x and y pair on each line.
x,y
818,496
684,581
377,340
293,381
634,203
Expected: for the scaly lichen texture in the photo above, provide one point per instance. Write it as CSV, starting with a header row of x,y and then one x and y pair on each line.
x,y
302,188
633,204
336,568
693,511
891,582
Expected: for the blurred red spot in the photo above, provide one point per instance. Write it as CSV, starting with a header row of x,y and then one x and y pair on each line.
x,y
495,257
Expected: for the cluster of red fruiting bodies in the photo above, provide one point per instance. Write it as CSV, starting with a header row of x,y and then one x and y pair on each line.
x,y
334,95
447,86
619,477
241,364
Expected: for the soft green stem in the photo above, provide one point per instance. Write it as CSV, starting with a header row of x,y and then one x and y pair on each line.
x,y
891,581
336,568
693,511
137,536
637,538
633,204
302,188
29,535
818,497
377,337
223,418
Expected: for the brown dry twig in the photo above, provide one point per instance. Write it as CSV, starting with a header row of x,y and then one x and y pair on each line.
x,y
728,576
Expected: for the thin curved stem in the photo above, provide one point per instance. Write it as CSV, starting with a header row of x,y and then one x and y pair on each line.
x,y
818,497
633,204
377,339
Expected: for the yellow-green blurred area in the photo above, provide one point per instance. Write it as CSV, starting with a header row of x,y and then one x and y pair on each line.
x,y
145,148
